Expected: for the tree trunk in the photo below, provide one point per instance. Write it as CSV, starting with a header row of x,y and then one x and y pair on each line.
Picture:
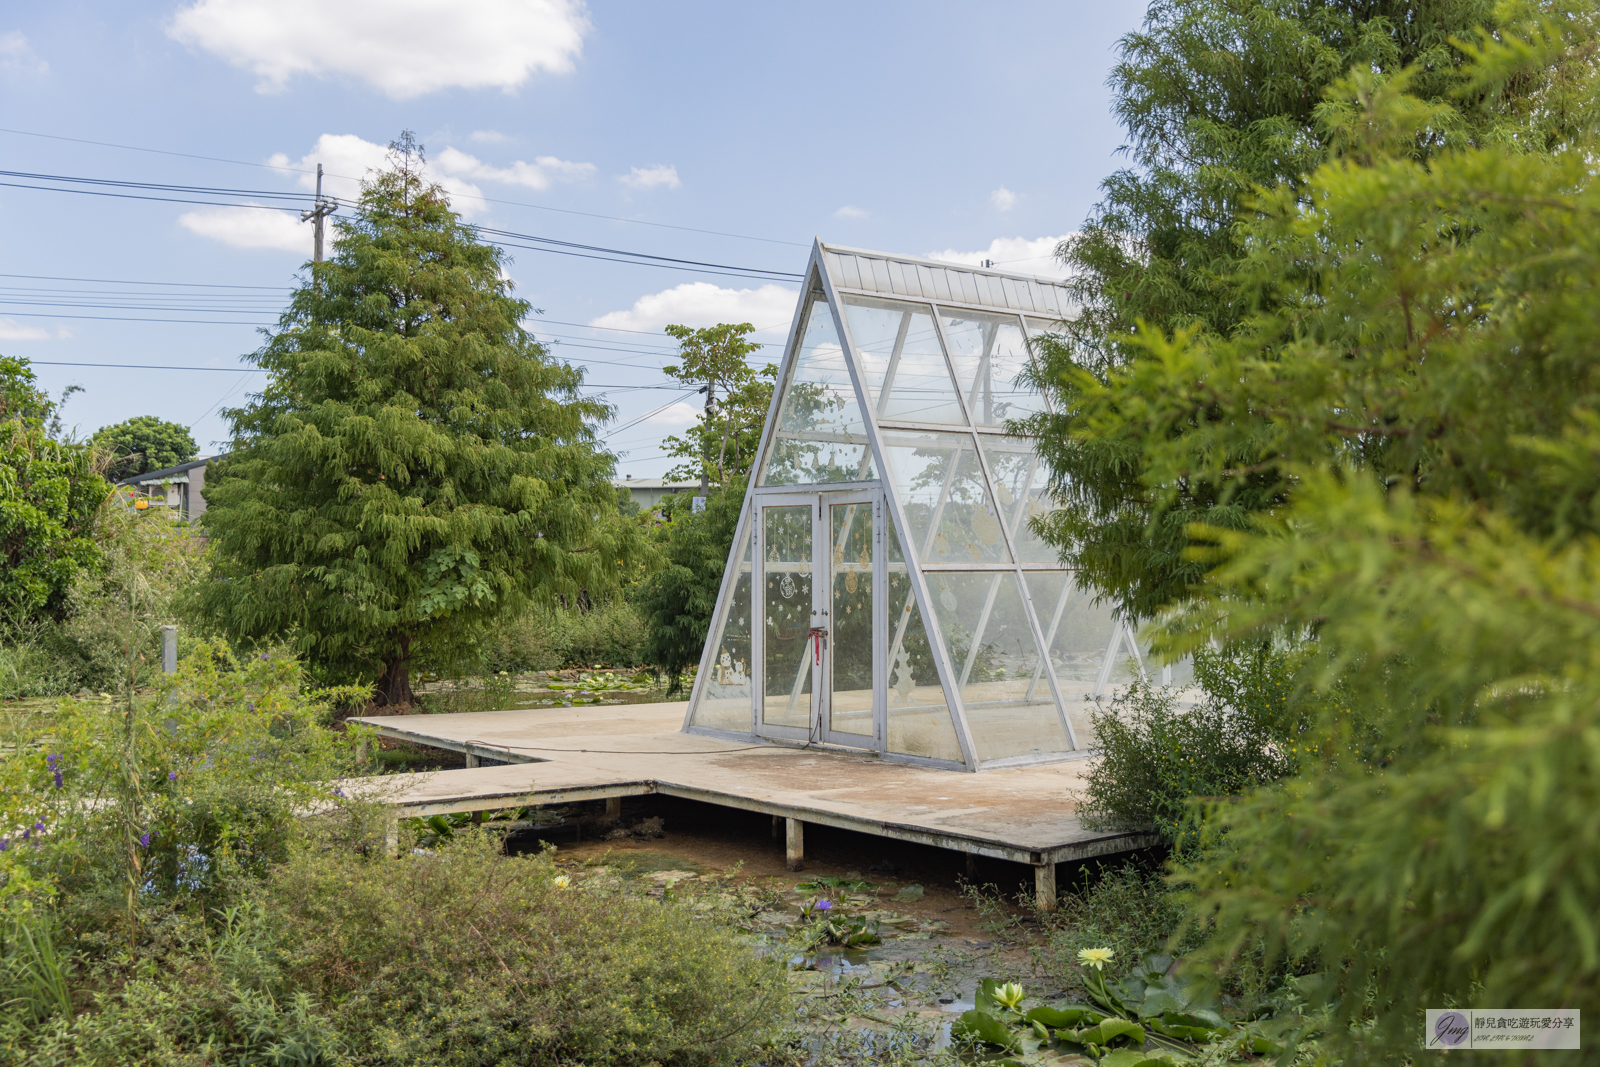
x,y
394,684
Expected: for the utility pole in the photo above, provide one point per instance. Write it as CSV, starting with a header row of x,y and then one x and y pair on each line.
x,y
322,210
711,403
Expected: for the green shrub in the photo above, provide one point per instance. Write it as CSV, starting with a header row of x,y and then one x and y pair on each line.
x,y
1127,909
459,956
1160,758
611,634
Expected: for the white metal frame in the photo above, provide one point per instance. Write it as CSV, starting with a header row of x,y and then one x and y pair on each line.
x,y
820,292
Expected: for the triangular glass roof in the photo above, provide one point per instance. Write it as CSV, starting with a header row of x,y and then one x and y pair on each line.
x,y
885,590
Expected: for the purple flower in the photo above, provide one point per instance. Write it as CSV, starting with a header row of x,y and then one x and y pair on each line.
x,y
144,839
5,843
39,825
26,834
338,792
58,779
251,705
51,760
824,905
263,655
172,776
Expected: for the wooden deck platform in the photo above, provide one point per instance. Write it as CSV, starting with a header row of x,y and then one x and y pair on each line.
x,y
562,755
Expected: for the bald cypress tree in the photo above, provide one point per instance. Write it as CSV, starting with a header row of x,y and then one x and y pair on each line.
x,y
417,466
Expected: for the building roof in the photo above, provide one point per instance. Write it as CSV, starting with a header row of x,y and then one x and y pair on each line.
x,y
652,483
180,473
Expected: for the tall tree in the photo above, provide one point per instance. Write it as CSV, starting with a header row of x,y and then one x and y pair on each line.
x,y
417,467
1422,391
50,498
1219,98
142,444
723,441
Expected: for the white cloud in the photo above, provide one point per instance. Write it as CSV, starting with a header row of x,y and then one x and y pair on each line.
x,y
347,159
488,136
405,48
849,211
699,304
12,330
244,227
536,175
18,57
1020,255
649,177
1003,199
675,417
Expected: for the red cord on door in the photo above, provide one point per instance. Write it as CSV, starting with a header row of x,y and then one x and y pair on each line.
x,y
819,634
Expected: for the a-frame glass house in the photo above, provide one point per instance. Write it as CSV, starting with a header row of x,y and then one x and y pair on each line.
x,y
885,592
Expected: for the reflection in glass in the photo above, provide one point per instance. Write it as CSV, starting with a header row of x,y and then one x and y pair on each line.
x,y
941,486
902,362
821,435
786,653
725,704
986,631
989,354
1021,488
850,643
919,718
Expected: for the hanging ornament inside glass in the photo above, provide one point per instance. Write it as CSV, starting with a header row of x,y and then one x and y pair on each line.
x,y
986,527
1004,494
941,545
946,597
786,586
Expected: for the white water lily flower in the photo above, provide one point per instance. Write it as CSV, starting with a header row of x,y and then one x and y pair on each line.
x,y
561,881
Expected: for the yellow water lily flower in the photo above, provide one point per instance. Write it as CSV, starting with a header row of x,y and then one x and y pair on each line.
x,y
1095,957
561,881
1009,995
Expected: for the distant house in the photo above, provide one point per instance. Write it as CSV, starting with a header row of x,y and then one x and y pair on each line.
x,y
648,492
181,487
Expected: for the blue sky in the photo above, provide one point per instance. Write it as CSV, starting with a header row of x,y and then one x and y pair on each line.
x,y
956,130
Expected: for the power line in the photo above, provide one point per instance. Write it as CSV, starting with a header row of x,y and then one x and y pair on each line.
x,y
347,177
258,370
544,244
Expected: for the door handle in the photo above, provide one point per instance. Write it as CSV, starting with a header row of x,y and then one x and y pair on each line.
x,y
819,634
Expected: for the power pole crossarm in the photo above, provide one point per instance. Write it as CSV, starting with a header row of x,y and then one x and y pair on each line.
x,y
321,211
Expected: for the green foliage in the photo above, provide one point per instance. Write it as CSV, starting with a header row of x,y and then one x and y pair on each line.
x,y
50,499
457,957
1124,908
1221,100
142,444
542,639
1419,392
677,601
417,469
723,441
1159,757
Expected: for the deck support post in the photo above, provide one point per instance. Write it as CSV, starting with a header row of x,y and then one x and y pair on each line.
x,y
777,827
795,844
1044,886
613,808
391,834
472,760
972,866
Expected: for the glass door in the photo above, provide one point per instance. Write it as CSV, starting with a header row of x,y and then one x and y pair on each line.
x,y
819,607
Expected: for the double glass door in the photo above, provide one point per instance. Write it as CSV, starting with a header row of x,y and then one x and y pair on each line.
x,y
819,598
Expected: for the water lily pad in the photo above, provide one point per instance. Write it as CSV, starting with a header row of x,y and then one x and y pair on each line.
x,y
909,892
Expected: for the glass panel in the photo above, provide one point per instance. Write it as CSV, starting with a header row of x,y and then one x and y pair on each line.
x,y
919,718
850,644
941,486
992,649
988,354
821,435
1021,484
725,703
906,375
786,637
1077,633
